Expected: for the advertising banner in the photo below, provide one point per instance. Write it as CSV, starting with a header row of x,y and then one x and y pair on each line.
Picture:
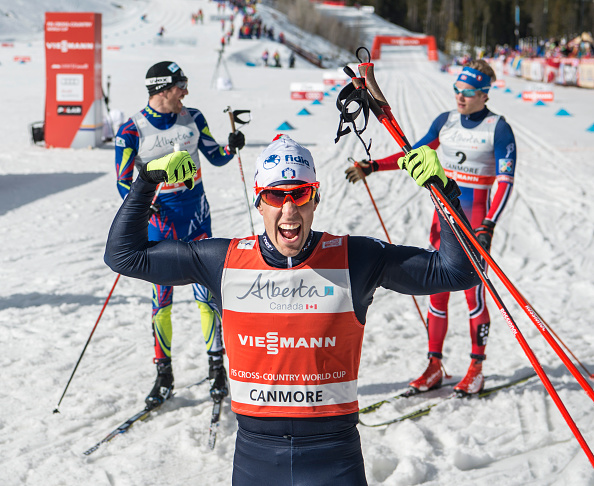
x,y
586,73
537,95
73,95
338,77
307,91
568,72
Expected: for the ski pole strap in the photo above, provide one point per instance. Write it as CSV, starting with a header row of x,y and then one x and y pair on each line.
x,y
348,95
237,119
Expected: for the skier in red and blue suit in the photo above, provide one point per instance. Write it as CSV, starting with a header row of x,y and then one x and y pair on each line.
x,y
179,213
478,149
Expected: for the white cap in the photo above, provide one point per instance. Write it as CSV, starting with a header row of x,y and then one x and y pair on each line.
x,y
284,161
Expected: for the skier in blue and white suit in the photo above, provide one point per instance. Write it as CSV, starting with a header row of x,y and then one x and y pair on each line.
x,y
179,213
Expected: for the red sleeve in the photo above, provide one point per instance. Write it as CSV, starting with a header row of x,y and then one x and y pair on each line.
x,y
391,161
500,199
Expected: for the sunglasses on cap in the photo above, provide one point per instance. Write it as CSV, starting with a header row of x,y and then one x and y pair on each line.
x,y
182,84
300,195
468,93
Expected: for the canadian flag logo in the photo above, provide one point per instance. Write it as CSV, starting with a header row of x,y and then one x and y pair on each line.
x,y
311,306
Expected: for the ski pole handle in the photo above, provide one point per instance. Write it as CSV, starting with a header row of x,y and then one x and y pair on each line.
x,y
232,121
359,83
381,114
367,72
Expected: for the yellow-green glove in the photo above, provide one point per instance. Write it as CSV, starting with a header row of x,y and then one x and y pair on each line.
x,y
174,167
423,166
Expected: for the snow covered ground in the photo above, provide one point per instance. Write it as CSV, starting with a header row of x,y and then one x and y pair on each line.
x,y
56,207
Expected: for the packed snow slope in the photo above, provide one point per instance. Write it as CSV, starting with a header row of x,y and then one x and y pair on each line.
x,y
56,207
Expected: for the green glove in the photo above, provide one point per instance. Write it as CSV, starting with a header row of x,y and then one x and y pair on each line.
x,y
174,167
423,166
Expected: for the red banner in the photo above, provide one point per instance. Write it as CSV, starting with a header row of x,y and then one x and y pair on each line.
x,y
73,110
532,96
307,91
395,40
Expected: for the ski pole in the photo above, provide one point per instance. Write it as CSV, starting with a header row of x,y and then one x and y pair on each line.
x,y
87,343
516,294
460,229
364,179
449,214
106,100
448,376
99,318
366,70
590,375
232,118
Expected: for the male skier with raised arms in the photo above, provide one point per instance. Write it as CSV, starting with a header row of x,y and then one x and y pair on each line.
x,y
294,304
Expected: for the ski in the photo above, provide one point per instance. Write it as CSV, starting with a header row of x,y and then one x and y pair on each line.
x,y
124,427
409,392
142,415
427,408
214,423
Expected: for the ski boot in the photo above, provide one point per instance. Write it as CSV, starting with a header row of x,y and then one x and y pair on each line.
x,y
430,379
218,378
474,381
163,385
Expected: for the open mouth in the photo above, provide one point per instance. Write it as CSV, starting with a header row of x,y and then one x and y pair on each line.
x,y
289,231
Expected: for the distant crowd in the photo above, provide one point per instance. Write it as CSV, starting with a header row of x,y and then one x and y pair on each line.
x,y
578,47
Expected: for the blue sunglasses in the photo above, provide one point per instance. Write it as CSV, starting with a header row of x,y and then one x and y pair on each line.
x,y
469,93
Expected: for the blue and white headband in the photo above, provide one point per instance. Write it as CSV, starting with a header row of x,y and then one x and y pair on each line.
x,y
475,78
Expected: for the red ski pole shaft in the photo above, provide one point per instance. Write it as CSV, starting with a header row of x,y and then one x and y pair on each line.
x,y
376,210
390,241
159,187
88,341
590,375
520,300
443,204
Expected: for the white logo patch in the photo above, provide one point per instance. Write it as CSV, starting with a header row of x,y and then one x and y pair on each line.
x,y
246,244
332,243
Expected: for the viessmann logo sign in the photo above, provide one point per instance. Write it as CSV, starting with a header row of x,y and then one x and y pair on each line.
x,y
65,46
272,342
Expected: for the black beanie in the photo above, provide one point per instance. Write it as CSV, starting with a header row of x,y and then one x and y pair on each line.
x,y
162,76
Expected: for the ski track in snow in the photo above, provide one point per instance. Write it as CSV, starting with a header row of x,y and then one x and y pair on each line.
x,y
56,207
